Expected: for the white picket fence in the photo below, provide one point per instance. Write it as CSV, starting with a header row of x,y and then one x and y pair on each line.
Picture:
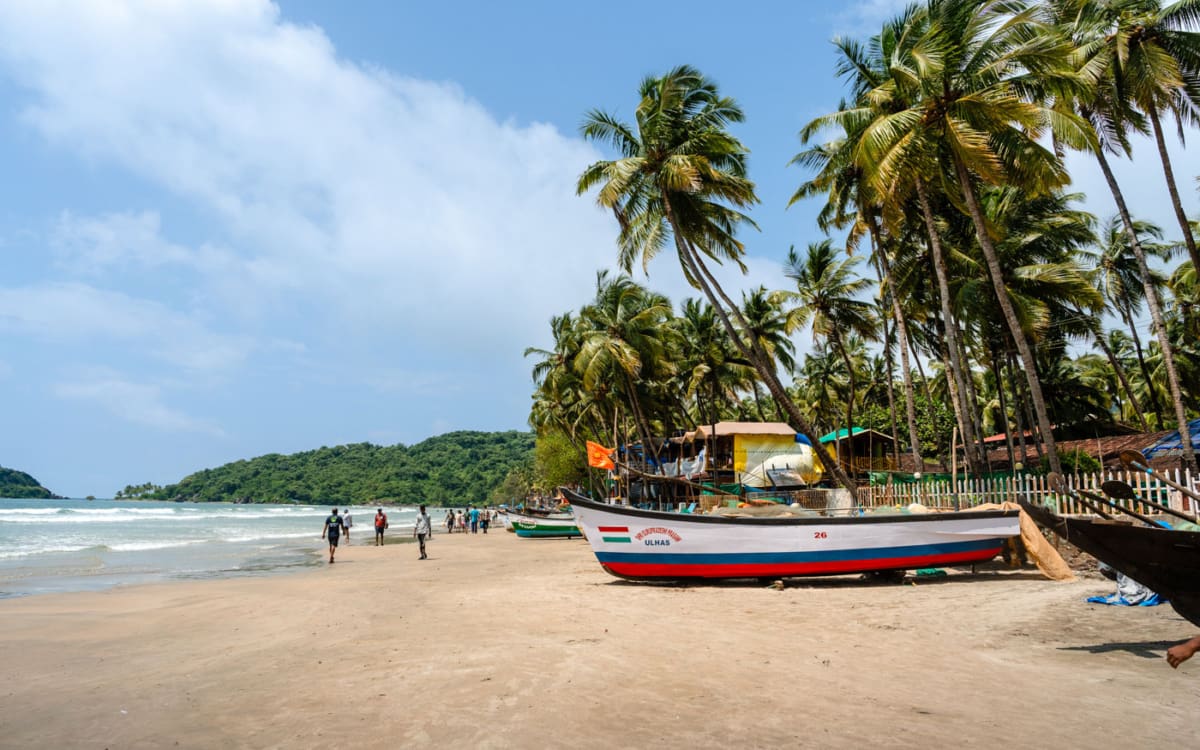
x,y
965,493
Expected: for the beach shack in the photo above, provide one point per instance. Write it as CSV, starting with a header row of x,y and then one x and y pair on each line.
x,y
756,454
860,451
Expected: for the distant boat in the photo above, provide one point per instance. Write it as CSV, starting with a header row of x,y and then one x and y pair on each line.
x,y
645,544
529,526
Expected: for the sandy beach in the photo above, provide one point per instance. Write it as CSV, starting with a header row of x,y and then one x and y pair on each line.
x,y
499,642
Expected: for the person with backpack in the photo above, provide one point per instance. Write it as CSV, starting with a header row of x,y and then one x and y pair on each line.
x,y
380,524
333,530
422,530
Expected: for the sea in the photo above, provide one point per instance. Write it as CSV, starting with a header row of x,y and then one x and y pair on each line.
x,y
51,546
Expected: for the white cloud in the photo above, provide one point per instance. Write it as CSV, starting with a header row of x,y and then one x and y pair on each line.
x,y
127,241
374,197
139,403
72,311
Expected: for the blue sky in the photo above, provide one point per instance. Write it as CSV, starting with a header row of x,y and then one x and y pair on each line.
x,y
236,227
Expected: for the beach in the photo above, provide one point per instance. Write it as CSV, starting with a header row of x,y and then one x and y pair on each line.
x,y
500,642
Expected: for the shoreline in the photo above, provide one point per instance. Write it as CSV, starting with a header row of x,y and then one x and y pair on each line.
x,y
503,642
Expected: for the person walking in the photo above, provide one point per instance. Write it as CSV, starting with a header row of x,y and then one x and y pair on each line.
x,y
485,520
333,530
450,521
347,521
380,524
422,530
474,520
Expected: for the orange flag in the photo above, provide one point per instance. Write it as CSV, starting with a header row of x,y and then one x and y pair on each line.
x,y
599,456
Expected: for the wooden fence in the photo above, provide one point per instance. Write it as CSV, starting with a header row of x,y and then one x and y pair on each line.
x,y
965,493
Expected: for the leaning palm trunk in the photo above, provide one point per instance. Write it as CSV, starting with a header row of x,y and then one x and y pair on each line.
x,y
902,343
1098,335
1010,316
956,374
1169,173
1151,392
1160,330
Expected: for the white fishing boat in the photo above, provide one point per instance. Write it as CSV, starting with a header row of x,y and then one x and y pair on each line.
x,y
644,544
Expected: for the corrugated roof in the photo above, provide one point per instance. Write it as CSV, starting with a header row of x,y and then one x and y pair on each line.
x,y
742,428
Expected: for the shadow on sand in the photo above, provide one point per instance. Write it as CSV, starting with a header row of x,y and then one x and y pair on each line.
x,y
1144,649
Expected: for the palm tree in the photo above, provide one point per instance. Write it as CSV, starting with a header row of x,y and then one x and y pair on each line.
x,y
826,296
844,186
971,108
625,339
1102,34
681,178
1155,63
768,324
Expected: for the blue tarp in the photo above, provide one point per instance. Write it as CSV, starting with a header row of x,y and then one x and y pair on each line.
x,y
1172,445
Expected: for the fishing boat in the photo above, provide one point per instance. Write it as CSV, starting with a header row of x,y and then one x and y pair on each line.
x,y
1167,561
645,544
527,525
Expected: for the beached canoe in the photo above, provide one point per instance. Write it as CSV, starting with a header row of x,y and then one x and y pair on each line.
x,y
556,525
644,544
1167,561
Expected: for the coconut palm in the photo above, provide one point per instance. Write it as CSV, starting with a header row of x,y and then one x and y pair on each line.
x,y
973,107
827,296
625,340
1162,69
681,178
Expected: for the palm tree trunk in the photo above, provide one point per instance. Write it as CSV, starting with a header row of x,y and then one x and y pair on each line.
x,y
1169,173
1024,416
1008,438
1010,316
902,344
1151,393
956,373
891,391
1113,362
1160,330
978,452
837,341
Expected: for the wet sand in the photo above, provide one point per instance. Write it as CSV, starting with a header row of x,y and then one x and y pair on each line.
x,y
500,642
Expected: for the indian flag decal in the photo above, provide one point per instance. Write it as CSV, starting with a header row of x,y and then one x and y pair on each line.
x,y
615,534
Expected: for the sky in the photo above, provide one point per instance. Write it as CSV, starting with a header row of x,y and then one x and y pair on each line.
x,y
236,227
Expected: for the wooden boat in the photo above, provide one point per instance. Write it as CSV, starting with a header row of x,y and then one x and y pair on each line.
x,y
554,525
1165,560
643,544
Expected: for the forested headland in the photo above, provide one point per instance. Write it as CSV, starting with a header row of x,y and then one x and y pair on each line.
x,y
15,483
457,468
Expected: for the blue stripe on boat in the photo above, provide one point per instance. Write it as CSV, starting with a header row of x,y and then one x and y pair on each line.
x,y
750,558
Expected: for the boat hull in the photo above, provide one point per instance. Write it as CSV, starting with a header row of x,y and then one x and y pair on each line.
x,y
533,527
1164,560
644,545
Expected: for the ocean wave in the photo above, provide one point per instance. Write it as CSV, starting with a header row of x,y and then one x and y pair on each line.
x,y
30,551
261,537
163,544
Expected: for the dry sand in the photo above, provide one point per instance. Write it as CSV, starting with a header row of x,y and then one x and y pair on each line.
x,y
502,642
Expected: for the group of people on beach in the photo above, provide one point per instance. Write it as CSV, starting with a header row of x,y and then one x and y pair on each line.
x,y
473,519
338,525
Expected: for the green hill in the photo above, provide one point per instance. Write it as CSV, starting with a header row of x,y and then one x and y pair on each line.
x,y
452,469
15,483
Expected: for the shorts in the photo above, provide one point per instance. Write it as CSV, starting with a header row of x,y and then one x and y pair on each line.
x,y
333,540
379,529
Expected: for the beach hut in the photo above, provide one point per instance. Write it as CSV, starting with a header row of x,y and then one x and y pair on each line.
x,y
740,451
860,450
